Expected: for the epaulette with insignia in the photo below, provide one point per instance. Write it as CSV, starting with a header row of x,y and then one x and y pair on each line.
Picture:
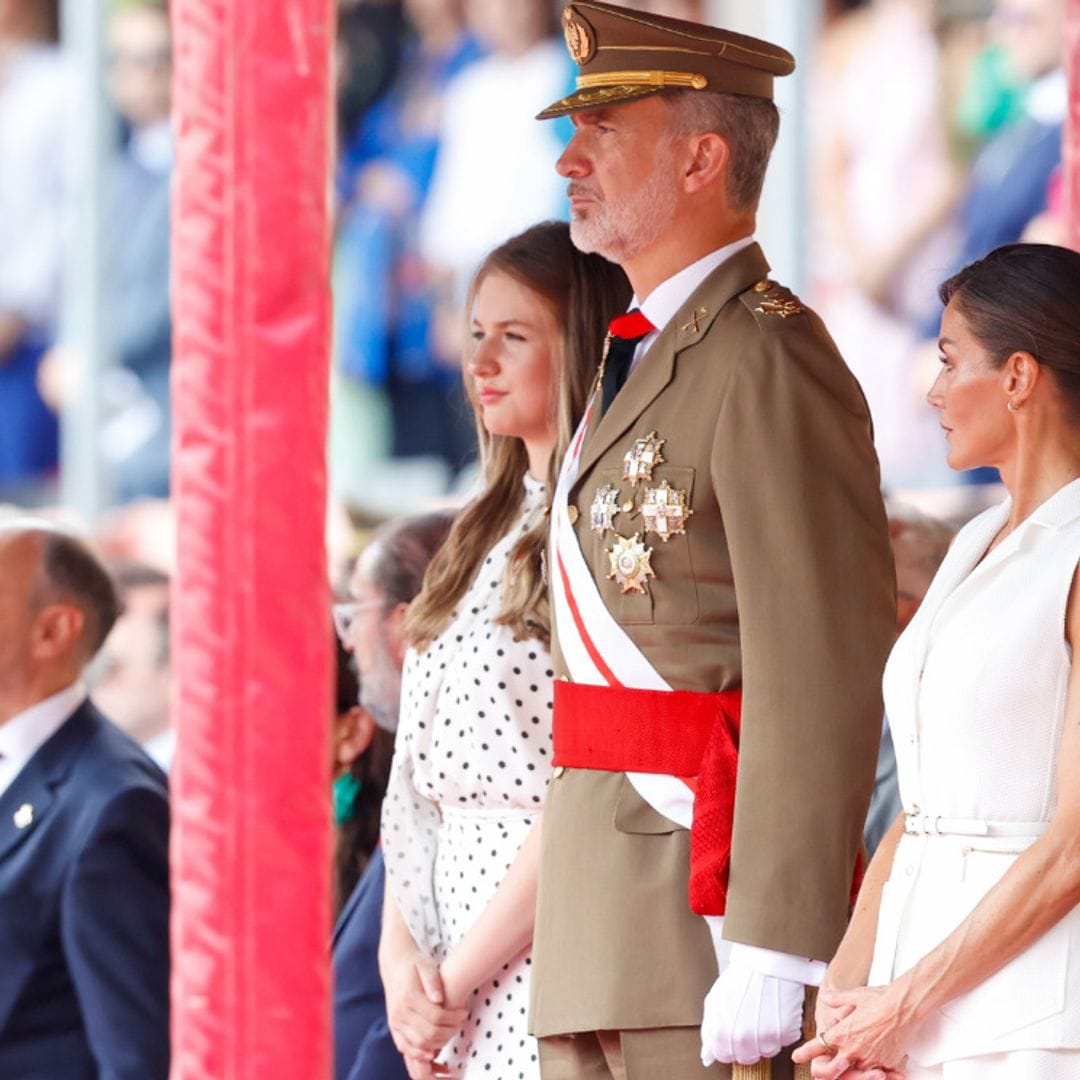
x,y
770,301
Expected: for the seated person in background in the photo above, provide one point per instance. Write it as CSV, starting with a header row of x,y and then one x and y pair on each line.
x,y
84,824
387,576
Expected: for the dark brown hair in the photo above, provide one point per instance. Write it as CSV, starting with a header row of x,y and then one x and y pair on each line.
x,y
583,292
72,572
1025,298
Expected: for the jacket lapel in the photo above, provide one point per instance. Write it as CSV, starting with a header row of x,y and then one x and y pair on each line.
x,y
656,367
31,796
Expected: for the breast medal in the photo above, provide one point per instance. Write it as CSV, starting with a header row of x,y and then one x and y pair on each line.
x,y
630,564
640,460
665,511
605,506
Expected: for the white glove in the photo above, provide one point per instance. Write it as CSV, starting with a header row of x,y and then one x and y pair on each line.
x,y
749,1015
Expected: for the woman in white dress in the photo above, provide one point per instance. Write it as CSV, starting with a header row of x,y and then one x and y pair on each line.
x,y
462,812
962,961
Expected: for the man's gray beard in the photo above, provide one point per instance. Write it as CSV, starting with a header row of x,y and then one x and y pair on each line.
x,y
621,233
380,690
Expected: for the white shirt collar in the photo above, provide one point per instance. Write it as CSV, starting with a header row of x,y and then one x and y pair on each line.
x,y
660,306
26,732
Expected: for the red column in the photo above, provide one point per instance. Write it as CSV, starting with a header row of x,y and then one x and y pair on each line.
x,y
1071,149
251,839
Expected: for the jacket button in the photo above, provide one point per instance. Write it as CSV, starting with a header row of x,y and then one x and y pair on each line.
x,y
572,513
559,770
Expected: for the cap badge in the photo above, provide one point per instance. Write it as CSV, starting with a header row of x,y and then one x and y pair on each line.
x,y
665,511
640,460
604,508
578,39
630,564
24,816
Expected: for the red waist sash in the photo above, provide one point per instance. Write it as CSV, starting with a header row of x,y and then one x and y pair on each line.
x,y
674,732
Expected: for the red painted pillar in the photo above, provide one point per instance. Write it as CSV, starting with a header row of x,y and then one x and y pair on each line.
x,y
1071,149
251,840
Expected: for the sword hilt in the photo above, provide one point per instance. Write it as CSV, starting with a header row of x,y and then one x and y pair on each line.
x,y
762,1070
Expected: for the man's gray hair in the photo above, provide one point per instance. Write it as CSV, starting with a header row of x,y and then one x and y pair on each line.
x,y
749,125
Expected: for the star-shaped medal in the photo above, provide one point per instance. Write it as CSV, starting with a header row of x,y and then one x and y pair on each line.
x,y
630,564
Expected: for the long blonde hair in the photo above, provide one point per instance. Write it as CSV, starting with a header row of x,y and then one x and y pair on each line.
x,y
583,292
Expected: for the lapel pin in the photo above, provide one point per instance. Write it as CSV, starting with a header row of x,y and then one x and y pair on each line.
x,y
24,816
701,313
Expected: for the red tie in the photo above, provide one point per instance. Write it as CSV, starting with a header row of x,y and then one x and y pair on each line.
x,y
626,331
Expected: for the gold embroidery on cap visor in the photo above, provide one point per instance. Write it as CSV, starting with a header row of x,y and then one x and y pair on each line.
x,y
595,98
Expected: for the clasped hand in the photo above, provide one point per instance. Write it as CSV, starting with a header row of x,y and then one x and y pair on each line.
x,y
859,1038
749,1016
420,1019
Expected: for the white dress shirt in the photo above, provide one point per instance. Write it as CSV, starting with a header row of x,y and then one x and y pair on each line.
x,y
27,732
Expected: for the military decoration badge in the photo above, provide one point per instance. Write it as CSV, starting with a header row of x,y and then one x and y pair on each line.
x,y
640,460
665,510
604,508
579,40
630,564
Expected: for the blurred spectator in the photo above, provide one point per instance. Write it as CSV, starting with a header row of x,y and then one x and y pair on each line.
x,y
1010,177
361,763
368,48
32,129
883,182
481,193
136,435
135,680
84,875
387,576
382,284
919,544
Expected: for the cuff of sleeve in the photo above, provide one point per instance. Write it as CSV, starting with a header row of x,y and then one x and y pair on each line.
x,y
782,965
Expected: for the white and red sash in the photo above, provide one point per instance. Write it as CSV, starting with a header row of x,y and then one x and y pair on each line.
x,y
596,649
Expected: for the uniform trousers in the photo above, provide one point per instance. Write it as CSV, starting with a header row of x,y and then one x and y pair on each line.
x,y
1014,1065
647,1054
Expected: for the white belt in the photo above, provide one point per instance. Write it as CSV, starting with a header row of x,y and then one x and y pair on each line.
x,y
935,825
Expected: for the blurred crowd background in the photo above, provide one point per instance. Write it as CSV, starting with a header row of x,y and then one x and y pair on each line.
x,y
933,133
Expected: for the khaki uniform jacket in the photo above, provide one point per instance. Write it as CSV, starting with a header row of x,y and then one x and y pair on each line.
x,y
782,584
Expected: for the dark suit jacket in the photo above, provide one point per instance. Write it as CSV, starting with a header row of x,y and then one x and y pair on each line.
x,y
84,910
363,1049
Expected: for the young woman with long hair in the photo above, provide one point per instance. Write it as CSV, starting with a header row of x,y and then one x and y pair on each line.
x,y
462,812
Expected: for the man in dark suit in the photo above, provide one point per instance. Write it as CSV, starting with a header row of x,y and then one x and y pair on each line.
x,y
84,820
388,575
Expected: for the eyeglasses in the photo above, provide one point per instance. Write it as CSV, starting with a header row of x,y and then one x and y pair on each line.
x,y
345,614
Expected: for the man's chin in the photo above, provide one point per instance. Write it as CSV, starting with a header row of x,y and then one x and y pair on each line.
x,y
587,238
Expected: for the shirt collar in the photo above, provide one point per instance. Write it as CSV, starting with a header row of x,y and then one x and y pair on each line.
x,y
660,306
26,732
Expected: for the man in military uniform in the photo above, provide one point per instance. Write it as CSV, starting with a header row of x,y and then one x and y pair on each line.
x,y
722,590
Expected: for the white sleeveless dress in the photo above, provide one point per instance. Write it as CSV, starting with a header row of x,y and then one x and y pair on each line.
x,y
471,766
975,693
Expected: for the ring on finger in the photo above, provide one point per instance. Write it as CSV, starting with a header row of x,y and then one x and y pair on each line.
x,y
825,1042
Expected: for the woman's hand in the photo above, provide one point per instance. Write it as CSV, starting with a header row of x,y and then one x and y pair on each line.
x,y
420,1021
862,1035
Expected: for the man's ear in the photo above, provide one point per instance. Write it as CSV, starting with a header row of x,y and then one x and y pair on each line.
x,y
55,631
395,633
709,161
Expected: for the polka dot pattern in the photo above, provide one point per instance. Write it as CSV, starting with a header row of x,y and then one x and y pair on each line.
x,y
471,765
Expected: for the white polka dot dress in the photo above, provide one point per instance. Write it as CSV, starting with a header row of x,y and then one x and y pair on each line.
x,y
471,766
